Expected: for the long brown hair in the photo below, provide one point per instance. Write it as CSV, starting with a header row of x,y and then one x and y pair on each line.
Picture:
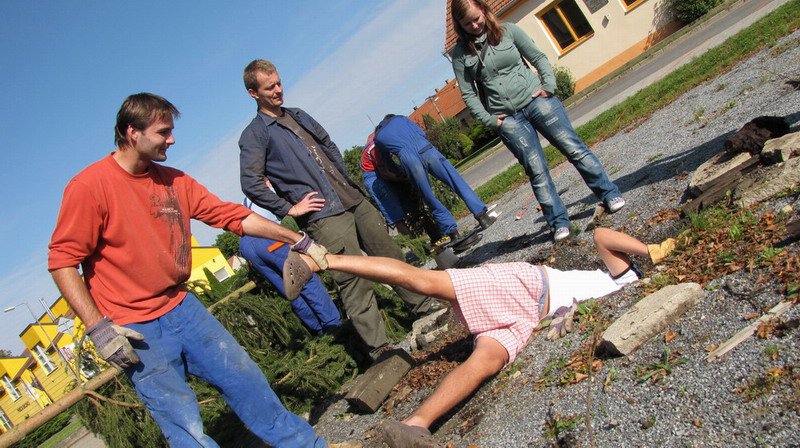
x,y
494,29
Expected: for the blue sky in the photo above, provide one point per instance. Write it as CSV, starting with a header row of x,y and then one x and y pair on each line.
x,y
67,66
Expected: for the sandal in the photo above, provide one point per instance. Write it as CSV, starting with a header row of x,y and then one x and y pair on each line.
x,y
400,435
562,321
296,274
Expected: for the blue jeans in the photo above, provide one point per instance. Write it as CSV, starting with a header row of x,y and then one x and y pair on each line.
x,y
417,166
188,339
313,306
385,197
548,116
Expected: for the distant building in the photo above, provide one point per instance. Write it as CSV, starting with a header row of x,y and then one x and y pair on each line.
x,y
211,258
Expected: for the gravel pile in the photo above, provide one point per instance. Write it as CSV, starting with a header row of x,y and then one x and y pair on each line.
x,y
697,405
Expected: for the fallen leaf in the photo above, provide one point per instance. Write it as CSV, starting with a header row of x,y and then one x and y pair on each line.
x,y
711,348
751,316
697,422
669,336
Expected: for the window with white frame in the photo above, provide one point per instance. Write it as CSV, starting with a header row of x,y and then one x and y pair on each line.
x,y
41,356
10,388
30,390
222,274
5,421
566,24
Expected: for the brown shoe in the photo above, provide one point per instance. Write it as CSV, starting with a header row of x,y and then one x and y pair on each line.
x,y
658,252
399,435
296,274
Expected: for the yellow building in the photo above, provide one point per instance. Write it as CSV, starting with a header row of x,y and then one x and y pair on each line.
x,y
22,393
211,258
51,350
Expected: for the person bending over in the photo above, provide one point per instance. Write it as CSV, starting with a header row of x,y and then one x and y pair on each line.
x,y
500,304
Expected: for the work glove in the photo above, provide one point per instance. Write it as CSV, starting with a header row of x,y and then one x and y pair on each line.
x,y
111,343
311,248
562,321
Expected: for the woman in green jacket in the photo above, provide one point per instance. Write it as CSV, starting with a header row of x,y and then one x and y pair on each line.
x,y
499,88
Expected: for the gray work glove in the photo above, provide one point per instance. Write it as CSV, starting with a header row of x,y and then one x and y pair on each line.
x,y
111,343
311,248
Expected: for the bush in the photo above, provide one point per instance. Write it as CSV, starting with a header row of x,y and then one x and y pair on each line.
x,y
352,163
687,11
480,133
565,84
448,138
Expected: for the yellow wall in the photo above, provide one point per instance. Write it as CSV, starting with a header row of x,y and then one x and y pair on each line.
x,y
62,379
20,409
210,258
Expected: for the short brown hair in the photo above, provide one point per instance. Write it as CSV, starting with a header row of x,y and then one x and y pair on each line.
x,y
140,111
494,29
259,65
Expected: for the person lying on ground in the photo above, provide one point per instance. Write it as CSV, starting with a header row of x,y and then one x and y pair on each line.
x,y
500,304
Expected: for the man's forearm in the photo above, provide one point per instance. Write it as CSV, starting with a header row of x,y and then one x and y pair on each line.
x,y
258,226
73,289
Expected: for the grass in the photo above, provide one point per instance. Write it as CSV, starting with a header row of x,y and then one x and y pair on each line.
x,y
559,424
761,34
660,369
62,435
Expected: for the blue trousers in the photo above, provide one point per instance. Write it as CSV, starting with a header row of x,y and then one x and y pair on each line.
x,y
313,306
188,339
385,197
417,166
548,116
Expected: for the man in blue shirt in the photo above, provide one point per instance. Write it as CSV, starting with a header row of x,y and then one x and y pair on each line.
x,y
295,153
400,136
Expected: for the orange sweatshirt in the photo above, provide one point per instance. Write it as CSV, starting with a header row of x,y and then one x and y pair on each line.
x,y
131,235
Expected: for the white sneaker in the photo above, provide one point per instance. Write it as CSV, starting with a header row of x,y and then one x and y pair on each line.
x,y
560,233
615,204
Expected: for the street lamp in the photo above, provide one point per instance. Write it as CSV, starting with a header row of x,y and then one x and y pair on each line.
x,y
52,344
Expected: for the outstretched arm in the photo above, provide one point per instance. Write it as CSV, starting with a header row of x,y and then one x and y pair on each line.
x,y
485,361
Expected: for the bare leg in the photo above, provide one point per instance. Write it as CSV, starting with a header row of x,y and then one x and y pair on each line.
x,y
436,284
614,248
485,361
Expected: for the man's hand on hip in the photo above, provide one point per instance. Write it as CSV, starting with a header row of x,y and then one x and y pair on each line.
x,y
111,343
308,204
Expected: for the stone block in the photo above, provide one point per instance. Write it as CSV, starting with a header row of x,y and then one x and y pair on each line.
x,y
374,385
650,317
767,182
716,168
781,149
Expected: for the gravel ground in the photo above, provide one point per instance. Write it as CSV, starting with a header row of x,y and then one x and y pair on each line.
x,y
694,406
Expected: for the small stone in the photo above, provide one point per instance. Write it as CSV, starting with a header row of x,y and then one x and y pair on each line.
x,y
787,209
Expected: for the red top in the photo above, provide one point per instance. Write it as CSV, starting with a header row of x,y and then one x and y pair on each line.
x,y
131,234
369,158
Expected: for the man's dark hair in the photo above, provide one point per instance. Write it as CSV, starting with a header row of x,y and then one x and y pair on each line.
x,y
140,111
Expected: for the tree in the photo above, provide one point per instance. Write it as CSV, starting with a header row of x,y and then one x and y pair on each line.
x,y
228,243
687,11
352,163
5,353
448,137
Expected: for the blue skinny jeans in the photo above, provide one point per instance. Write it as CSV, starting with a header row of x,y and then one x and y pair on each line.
x,y
188,339
548,116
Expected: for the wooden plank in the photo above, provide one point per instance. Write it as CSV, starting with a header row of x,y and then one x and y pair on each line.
x,y
374,385
747,331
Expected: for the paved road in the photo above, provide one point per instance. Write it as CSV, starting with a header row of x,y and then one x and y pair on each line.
x,y
679,52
